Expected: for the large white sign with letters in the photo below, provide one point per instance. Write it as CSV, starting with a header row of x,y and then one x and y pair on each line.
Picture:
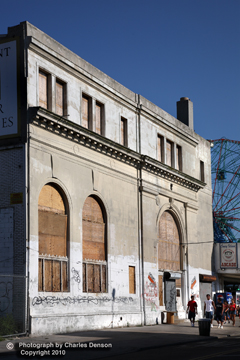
x,y
228,254
8,89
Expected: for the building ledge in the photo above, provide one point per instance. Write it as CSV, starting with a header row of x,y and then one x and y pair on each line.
x,y
59,125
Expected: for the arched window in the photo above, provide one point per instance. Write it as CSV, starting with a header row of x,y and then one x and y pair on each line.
x,y
168,252
94,246
169,243
52,233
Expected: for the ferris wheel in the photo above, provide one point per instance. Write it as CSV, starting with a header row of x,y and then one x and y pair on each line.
x,y
225,156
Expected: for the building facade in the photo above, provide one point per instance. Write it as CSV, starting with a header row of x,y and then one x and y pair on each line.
x,y
105,205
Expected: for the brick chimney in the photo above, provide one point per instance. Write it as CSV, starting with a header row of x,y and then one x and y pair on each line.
x,y
185,111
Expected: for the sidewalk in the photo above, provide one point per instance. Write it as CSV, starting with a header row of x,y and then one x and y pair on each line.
x,y
119,340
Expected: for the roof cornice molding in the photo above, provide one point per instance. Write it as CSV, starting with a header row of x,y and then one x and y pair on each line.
x,y
174,176
58,125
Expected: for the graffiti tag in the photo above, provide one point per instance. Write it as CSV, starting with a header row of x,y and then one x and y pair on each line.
x,y
55,300
172,298
193,282
5,297
76,276
152,279
150,292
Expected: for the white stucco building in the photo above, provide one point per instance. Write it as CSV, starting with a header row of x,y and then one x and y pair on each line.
x,y
105,203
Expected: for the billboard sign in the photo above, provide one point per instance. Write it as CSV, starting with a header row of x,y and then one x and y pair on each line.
x,y
9,121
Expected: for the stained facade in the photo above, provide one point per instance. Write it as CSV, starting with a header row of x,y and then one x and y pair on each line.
x,y
114,195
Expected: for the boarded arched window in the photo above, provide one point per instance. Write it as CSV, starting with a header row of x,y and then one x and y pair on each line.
x,y
52,232
169,243
93,246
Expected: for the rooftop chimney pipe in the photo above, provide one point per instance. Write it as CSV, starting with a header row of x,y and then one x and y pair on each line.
x,y
185,111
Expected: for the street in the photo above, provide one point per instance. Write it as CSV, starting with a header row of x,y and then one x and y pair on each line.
x,y
216,349
166,341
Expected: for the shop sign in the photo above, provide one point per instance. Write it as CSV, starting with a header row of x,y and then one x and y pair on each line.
x,y
228,256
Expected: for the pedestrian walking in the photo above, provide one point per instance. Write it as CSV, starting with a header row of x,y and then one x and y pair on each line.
x,y
192,310
232,309
226,312
219,313
209,307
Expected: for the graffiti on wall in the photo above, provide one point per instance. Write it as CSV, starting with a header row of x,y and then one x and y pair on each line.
x,y
68,300
194,288
150,292
76,275
193,282
5,295
151,278
172,298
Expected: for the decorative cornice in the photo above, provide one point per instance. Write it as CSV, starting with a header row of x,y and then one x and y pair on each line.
x,y
170,174
67,129
58,125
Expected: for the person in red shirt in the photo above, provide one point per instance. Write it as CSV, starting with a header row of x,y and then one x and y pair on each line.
x,y
192,310
232,308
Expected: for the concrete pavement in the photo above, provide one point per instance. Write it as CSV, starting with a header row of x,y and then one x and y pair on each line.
x,y
111,342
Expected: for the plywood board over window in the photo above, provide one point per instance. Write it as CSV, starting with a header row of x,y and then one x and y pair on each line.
x,y
160,148
132,285
43,89
52,234
124,136
169,243
160,286
169,152
60,90
93,231
86,112
94,247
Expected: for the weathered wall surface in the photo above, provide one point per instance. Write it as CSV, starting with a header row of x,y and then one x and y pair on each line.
x,y
81,172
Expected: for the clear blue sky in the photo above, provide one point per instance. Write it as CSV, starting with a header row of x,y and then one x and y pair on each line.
x,y
161,49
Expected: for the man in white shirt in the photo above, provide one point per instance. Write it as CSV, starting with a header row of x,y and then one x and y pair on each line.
x,y
209,306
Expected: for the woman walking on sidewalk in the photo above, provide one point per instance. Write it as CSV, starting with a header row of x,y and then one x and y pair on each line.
x,y
232,308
